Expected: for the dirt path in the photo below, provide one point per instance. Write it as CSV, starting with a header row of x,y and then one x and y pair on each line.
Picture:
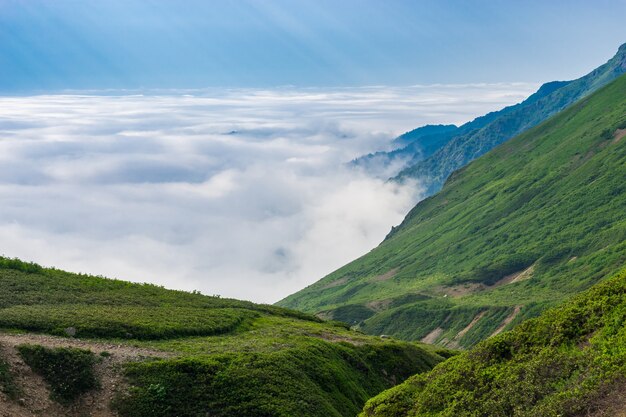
x,y
35,396
121,352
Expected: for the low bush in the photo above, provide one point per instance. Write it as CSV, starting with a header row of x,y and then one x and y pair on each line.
x,y
124,321
315,378
69,372
7,380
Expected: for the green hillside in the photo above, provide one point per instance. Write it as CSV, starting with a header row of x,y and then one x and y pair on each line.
x,y
211,356
481,135
571,361
536,220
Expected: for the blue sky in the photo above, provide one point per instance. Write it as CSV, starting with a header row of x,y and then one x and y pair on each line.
x,y
87,44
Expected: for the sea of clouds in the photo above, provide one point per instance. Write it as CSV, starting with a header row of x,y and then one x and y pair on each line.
x,y
243,193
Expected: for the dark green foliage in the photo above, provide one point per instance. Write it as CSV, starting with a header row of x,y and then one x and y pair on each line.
x,y
558,364
352,314
315,378
546,207
69,372
7,380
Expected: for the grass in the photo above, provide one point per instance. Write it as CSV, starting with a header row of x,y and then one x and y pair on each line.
x,y
560,364
552,199
229,357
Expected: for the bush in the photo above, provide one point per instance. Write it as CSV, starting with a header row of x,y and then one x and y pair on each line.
x,y
68,371
315,379
558,364
7,382
124,321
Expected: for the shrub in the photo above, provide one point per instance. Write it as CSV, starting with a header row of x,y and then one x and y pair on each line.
x,y
68,371
7,381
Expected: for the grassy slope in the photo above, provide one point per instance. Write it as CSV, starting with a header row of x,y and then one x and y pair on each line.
x,y
230,357
552,199
511,121
560,364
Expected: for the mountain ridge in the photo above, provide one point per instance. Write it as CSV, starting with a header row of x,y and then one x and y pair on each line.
x,y
551,98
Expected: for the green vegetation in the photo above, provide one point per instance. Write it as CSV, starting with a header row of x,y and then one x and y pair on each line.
x,y
536,220
228,357
560,364
313,378
7,380
124,321
69,372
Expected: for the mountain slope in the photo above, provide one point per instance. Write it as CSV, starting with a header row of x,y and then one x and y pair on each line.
x,y
571,361
157,352
537,219
410,148
429,137
549,100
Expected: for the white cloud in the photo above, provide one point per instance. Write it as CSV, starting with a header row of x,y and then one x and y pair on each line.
x,y
243,193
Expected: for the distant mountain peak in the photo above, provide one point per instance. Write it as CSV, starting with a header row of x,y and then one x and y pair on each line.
x,y
621,56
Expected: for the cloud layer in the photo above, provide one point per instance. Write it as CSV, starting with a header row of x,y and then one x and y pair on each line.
x,y
243,193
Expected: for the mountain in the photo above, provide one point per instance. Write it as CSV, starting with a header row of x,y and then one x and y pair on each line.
x,y
76,345
430,137
537,219
410,148
472,142
432,152
571,361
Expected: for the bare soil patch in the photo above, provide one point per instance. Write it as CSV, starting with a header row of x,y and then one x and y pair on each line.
x,y
619,134
462,289
336,283
379,305
432,336
507,320
469,326
386,276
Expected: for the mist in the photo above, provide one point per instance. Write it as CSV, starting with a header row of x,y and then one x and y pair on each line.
x,y
243,193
